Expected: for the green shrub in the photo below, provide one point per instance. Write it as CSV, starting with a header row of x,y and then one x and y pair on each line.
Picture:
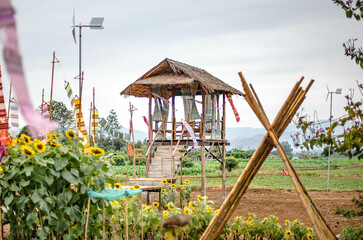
x,y
350,233
231,163
36,188
188,163
118,160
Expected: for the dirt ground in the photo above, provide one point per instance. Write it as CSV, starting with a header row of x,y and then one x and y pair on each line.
x,y
286,205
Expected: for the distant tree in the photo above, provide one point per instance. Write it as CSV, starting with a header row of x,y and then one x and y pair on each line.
x,y
112,119
61,114
287,149
24,130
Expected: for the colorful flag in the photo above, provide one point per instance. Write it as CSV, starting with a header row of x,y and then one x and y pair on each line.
x,y
80,123
94,123
191,133
45,111
130,151
229,97
284,172
14,117
4,126
13,63
205,90
150,132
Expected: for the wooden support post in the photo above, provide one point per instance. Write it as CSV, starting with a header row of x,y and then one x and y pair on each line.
x,y
103,219
173,120
148,160
223,155
202,137
127,218
51,88
88,206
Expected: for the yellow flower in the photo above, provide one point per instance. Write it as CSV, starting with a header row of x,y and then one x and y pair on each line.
x,y
250,218
164,181
199,198
288,233
310,237
237,219
165,216
55,136
148,209
296,222
163,190
131,188
39,146
26,138
186,182
155,204
166,212
287,222
265,220
251,223
1,170
216,211
208,209
70,134
277,218
27,151
246,223
117,185
309,230
182,187
170,206
97,151
192,205
172,185
136,186
53,144
187,211
109,185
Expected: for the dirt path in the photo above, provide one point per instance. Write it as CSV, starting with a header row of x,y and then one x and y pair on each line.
x,y
286,205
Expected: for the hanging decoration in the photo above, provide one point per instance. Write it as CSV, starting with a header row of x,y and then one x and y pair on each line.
x,y
166,101
150,132
13,63
205,90
107,127
94,123
191,133
14,117
229,97
45,110
4,125
130,150
80,122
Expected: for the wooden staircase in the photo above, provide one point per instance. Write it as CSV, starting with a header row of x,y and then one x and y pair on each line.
x,y
161,168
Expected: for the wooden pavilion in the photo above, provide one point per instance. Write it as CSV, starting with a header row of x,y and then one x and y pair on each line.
x,y
170,79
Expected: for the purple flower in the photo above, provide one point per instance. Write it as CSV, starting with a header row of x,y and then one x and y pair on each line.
x,y
349,2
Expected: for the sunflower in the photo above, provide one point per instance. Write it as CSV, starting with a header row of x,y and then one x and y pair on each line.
x,y
170,206
216,211
117,185
131,188
310,237
309,230
27,151
173,185
186,182
250,223
237,219
187,211
277,218
296,222
246,223
109,186
164,181
199,198
287,222
55,136
1,170
39,146
163,190
165,216
136,186
208,209
192,205
155,204
182,187
53,144
70,134
26,138
166,212
97,151
288,233
265,220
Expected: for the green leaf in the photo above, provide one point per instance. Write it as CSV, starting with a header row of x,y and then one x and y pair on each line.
x,y
36,197
86,169
61,226
73,155
14,188
54,173
49,160
30,219
74,213
42,233
28,170
44,206
8,200
69,237
70,178
24,183
74,172
59,164
63,149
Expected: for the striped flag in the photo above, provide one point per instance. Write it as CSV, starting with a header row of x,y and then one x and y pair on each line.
x,y
45,111
107,127
94,123
80,123
229,97
4,126
14,117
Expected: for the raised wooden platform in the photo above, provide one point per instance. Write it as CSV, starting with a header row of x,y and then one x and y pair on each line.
x,y
189,142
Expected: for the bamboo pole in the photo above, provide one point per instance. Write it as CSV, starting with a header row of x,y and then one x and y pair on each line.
x,y
229,205
103,219
1,224
127,219
223,155
88,206
132,109
42,102
11,84
202,136
148,154
51,88
90,123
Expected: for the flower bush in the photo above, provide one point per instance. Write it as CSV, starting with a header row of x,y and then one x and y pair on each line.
x,y
44,187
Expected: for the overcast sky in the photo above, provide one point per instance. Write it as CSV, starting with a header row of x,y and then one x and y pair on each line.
x,y
273,43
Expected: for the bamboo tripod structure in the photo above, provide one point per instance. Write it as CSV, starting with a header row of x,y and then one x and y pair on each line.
x,y
270,140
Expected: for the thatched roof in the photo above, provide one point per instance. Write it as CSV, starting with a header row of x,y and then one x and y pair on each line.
x,y
173,74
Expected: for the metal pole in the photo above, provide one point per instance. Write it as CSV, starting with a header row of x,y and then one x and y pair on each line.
x,y
330,116
80,61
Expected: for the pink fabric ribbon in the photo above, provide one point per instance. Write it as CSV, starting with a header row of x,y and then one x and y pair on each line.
x,y
233,107
166,101
150,132
205,90
191,133
13,62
